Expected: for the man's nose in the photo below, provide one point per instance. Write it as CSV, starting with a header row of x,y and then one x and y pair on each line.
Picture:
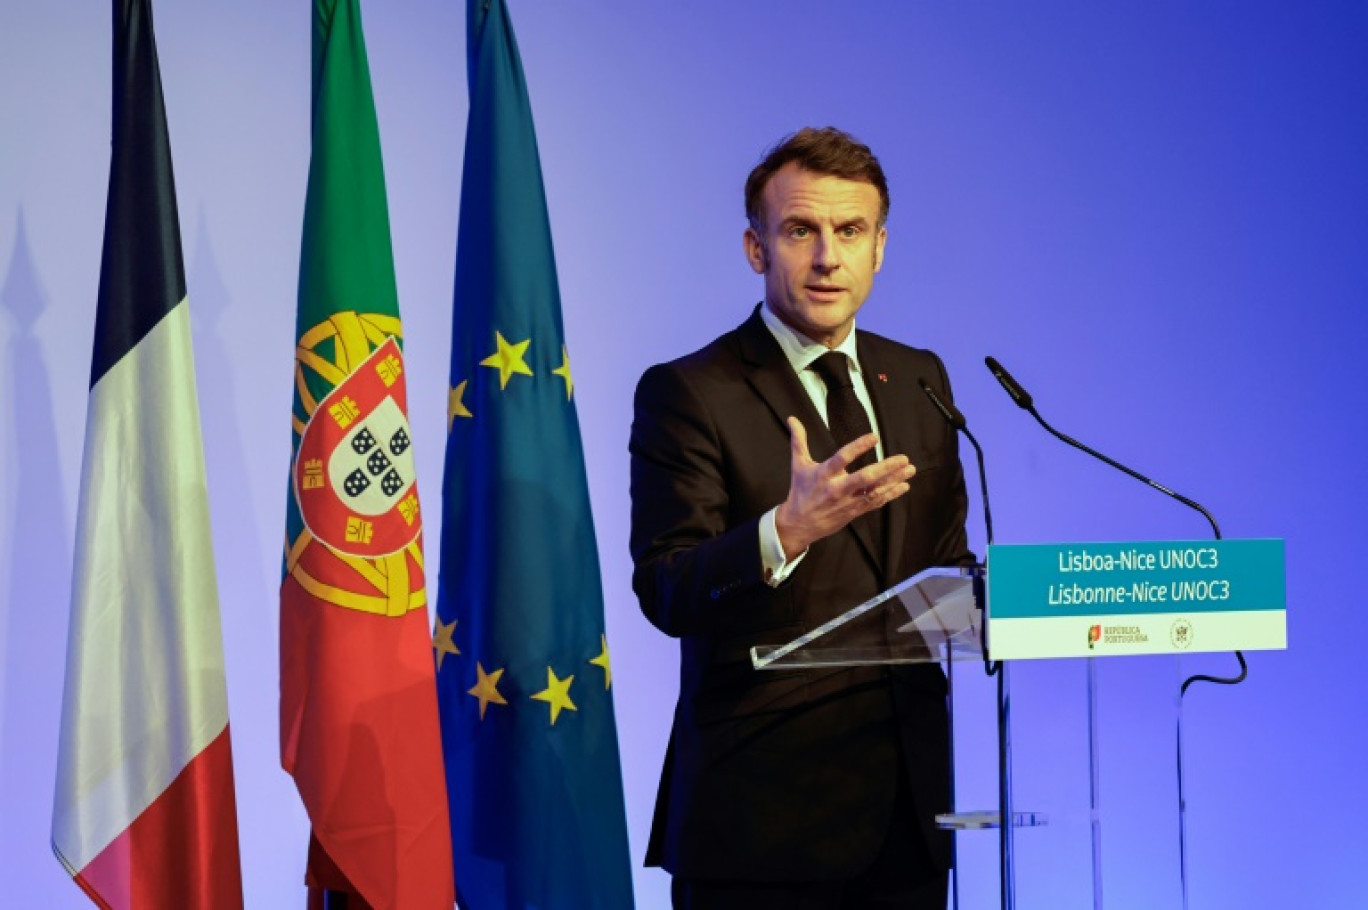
x,y
824,253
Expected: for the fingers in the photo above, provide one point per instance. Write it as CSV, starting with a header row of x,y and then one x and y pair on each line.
x,y
877,497
894,469
849,452
798,445
880,484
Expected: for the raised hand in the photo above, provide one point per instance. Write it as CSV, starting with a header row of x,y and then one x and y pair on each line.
x,y
823,498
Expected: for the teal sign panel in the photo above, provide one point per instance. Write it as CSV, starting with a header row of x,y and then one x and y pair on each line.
x,y
1028,581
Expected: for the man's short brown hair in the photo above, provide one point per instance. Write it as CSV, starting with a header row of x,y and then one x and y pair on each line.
x,y
827,151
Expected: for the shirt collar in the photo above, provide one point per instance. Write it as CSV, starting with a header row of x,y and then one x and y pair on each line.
x,y
801,350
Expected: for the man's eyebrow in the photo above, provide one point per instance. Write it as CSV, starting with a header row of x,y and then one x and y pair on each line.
x,y
809,220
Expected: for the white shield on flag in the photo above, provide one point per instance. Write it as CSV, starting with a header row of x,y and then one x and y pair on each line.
x,y
354,474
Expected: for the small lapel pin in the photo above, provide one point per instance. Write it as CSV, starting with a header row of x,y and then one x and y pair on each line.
x,y
883,377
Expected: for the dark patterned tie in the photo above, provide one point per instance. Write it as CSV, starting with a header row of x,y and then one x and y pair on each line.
x,y
846,417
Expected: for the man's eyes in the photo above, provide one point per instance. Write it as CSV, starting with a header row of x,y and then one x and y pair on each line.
x,y
803,231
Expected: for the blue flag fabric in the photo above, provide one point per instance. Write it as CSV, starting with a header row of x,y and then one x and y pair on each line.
x,y
524,680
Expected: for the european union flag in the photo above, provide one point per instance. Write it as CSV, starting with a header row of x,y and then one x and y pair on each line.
x,y
524,680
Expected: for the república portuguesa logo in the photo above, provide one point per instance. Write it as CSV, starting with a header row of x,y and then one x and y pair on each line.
x,y
1117,635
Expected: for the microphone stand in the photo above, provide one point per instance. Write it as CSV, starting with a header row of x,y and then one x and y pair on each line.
x,y
1006,817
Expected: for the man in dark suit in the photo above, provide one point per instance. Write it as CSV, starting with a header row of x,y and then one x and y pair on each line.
x,y
783,474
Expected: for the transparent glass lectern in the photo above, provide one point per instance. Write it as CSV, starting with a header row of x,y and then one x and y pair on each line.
x,y
934,616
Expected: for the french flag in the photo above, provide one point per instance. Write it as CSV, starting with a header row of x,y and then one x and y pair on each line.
x,y
144,814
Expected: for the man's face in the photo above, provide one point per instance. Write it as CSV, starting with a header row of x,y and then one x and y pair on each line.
x,y
821,246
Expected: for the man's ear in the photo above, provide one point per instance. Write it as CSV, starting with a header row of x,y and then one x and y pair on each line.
x,y
755,251
879,240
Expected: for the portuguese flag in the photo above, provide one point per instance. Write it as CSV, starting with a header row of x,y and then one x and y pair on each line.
x,y
358,704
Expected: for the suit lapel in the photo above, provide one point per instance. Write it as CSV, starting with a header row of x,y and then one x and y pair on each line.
x,y
772,379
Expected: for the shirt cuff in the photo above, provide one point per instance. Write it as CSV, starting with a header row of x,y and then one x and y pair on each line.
x,y
777,566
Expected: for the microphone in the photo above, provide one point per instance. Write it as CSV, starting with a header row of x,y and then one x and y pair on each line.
x,y
951,413
1019,395
1024,401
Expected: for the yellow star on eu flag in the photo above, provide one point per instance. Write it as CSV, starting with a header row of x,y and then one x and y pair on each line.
x,y
563,371
602,661
508,359
455,405
442,641
486,689
556,694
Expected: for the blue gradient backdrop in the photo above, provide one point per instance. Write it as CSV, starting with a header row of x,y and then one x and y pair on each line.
x,y
1156,214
